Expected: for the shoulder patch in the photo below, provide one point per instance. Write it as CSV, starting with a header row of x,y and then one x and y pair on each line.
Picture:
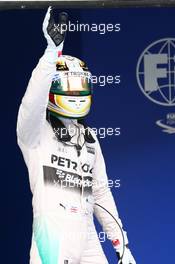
x,y
90,150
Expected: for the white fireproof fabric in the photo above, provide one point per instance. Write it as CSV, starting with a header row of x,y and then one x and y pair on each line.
x,y
51,163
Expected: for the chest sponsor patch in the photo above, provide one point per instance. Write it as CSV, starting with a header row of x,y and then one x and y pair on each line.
x,y
70,164
64,179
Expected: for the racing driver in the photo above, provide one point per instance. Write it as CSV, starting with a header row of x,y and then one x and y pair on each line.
x,y
66,167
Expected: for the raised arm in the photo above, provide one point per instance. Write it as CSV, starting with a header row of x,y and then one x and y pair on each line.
x,y
32,111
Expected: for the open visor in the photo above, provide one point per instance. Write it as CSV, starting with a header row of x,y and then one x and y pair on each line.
x,y
72,83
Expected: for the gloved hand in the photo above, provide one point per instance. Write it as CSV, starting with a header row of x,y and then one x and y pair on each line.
x,y
123,253
127,257
54,33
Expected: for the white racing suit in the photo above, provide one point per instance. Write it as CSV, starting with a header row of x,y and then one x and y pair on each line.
x,y
65,186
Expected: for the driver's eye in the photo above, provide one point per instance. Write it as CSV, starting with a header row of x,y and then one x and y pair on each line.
x,y
72,101
82,101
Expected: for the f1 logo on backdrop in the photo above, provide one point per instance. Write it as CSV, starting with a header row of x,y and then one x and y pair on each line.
x,y
156,72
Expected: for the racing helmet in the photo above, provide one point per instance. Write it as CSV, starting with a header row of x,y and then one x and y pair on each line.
x,y
71,89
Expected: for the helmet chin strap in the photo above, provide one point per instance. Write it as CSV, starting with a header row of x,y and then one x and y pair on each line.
x,y
76,134
77,138
68,121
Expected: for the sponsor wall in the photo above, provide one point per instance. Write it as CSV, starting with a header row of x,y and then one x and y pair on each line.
x,y
131,53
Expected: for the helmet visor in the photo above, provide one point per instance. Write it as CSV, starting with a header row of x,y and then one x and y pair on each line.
x,y
72,83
